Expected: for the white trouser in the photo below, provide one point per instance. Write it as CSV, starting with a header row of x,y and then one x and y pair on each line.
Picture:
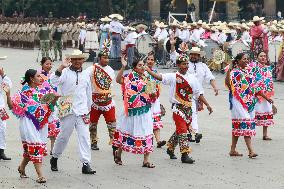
x,y
194,123
2,134
67,125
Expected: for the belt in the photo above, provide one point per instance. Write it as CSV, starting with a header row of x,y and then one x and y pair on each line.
x,y
113,33
130,45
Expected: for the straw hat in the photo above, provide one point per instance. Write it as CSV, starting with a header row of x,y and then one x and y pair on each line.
x,y
243,25
175,23
196,50
78,54
256,19
273,28
118,16
199,22
162,25
105,19
184,24
156,23
141,26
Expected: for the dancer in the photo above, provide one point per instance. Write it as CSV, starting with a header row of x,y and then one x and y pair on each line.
x,y
5,83
34,117
134,131
156,106
74,107
102,75
183,88
243,90
54,124
263,109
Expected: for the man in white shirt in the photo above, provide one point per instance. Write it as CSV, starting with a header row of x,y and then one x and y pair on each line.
x,y
183,88
161,39
5,82
202,73
82,38
104,30
116,29
130,42
75,88
102,76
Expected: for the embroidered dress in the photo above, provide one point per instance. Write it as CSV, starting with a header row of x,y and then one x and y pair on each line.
x,y
156,105
34,118
242,102
54,124
134,131
263,109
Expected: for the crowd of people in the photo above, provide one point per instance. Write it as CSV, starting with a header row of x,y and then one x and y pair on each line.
x,y
53,104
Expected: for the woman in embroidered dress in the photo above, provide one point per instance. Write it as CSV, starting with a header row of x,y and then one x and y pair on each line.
x,y
263,109
54,125
243,90
156,105
134,131
33,117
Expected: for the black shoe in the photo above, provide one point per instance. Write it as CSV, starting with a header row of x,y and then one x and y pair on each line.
x,y
186,159
161,143
114,148
189,136
198,137
53,164
86,169
171,154
3,156
94,147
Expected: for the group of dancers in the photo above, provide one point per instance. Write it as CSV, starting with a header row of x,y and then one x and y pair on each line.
x,y
53,104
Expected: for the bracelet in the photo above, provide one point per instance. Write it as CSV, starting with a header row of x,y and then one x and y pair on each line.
x,y
57,73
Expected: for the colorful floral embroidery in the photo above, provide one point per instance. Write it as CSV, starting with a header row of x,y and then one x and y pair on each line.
x,y
136,145
136,100
27,103
264,119
34,151
157,121
102,81
54,128
243,127
3,114
263,75
244,88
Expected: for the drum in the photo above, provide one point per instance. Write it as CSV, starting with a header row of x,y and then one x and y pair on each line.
x,y
211,47
274,49
144,44
239,47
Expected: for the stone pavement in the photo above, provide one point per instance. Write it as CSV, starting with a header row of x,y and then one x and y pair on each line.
x,y
213,168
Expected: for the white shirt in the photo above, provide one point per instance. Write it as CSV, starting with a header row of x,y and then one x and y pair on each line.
x,y
157,32
131,38
81,92
82,35
222,38
246,38
176,34
202,73
116,27
163,35
142,33
195,36
214,36
184,35
7,81
170,79
104,27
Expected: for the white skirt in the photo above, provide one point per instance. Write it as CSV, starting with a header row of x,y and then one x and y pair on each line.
x,y
264,114
157,115
134,133
33,140
243,122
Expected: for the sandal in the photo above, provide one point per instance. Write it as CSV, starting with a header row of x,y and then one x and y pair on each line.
x,y
266,138
235,153
148,165
22,173
41,180
252,155
117,159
